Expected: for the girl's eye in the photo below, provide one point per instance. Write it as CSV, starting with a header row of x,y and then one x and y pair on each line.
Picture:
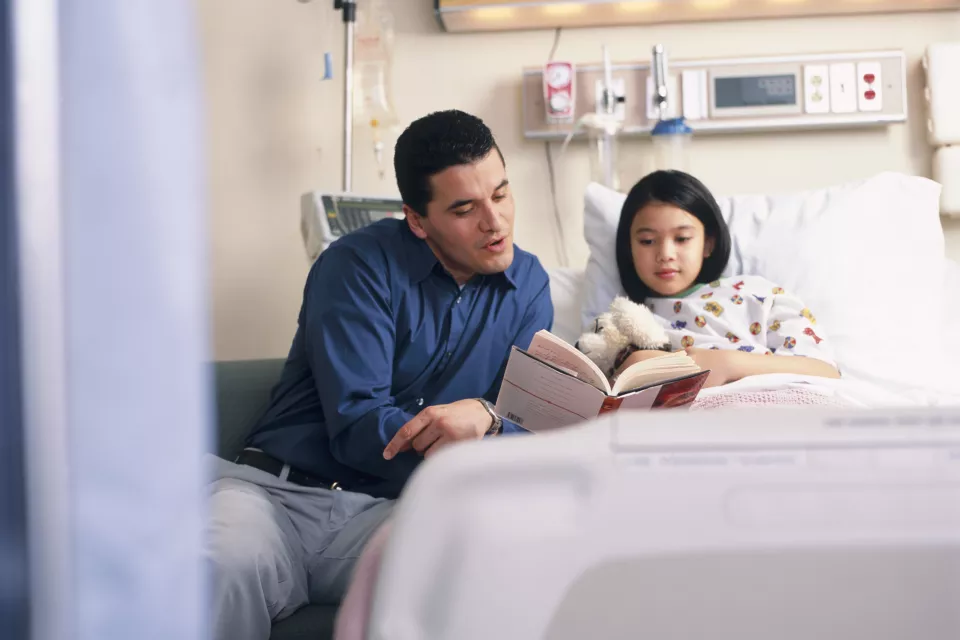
x,y
682,240
646,242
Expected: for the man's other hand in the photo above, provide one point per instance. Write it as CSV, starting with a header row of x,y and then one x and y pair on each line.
x,y
440,425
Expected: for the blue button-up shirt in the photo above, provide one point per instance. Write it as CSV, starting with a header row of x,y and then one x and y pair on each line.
x,y
384,331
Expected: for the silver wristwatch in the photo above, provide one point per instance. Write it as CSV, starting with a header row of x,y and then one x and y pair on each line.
x,y
496,425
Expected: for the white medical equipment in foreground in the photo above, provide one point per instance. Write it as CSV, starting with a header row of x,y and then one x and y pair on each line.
x,y
747,526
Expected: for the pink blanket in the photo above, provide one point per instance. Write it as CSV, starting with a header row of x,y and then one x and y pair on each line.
x,y
790,397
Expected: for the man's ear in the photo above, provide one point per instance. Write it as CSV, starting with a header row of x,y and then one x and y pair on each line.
x,y
415,222
708,246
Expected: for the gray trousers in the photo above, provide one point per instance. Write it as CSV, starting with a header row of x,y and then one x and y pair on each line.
x,y
273,546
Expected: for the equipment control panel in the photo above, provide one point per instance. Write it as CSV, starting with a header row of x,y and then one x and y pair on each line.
x,y
746,94
324,217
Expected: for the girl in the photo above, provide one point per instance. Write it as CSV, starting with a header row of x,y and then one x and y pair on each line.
x,y
672,246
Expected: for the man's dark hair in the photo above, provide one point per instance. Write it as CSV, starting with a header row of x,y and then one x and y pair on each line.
x,y
433,143
684,192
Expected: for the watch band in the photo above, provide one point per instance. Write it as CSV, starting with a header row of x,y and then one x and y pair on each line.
x,y
496,422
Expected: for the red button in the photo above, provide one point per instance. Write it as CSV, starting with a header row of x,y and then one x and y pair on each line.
x,y
869,78
870,94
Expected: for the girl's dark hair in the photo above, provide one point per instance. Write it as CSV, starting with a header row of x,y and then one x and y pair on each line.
x,y
685,192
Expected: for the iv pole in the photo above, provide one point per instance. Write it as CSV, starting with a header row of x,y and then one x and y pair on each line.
x,y
349,8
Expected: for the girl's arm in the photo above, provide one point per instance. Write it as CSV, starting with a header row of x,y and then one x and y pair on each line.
x,y
730,366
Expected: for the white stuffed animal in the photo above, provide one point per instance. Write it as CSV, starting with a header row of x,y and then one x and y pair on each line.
x,y
627,327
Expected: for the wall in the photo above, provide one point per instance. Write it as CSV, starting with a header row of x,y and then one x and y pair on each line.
x,y
275,130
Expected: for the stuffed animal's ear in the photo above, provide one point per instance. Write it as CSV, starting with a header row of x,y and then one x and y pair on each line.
x,y
591,343
638,324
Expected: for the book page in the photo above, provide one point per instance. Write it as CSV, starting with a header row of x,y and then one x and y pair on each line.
x,y
552,349
669,395
539,398
653,370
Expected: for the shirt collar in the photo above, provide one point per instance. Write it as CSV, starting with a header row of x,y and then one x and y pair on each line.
x,y
683,294
420,256
423,261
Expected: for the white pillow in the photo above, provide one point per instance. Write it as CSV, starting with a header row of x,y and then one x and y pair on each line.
x,y
866,257
566,289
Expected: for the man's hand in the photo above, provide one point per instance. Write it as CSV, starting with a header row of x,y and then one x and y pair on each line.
x,y
440,425
721,363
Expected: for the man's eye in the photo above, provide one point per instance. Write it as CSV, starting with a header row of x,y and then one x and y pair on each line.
x,y
497,197
462,212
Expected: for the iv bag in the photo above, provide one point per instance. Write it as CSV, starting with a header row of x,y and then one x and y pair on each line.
x,y
373,71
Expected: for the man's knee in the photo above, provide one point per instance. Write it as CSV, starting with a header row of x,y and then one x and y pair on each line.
x,y
249,556
237,557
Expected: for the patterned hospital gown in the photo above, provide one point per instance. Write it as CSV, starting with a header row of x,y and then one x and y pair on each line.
x,y
745,313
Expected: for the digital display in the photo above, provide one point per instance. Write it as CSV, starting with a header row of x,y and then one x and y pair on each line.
x,y
755,91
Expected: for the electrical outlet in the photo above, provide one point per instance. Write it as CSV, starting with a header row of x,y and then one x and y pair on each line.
x,y
620,93
816,88
870,86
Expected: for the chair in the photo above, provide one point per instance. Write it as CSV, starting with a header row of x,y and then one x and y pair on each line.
x,y
243,392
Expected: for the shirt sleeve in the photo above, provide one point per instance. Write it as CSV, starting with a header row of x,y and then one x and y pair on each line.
x,y
350,338
539,316
792,330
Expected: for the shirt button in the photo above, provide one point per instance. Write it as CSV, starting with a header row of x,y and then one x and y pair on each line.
x,y
449,353
419,402
458,299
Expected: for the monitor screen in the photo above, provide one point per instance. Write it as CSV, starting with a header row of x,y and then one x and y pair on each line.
x,y
756,91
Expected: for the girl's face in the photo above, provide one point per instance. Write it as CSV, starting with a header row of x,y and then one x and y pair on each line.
x,y
668,246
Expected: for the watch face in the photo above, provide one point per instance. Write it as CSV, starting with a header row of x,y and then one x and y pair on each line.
x,y
496,424
558,75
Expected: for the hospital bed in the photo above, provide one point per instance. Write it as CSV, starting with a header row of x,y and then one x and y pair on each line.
x,y
771,523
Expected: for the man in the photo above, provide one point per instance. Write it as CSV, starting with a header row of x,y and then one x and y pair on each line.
x,y
403,336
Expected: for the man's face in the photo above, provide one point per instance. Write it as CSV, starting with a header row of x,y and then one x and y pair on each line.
x,y
469,221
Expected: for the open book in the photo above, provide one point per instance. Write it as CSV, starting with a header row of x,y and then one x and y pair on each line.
x,y
552,385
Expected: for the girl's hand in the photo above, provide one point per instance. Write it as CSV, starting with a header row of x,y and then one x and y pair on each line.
x,y
721,363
